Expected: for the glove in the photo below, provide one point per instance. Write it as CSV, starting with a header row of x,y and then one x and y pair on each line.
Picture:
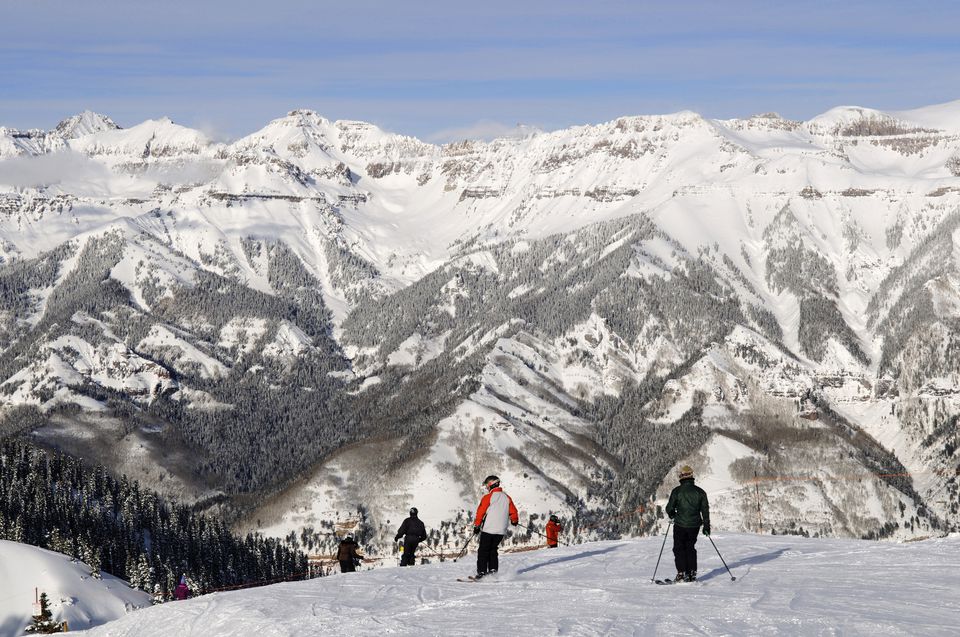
x,y
396,539
476,530
706,531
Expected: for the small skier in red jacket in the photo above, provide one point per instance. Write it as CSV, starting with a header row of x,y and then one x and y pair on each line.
x,y
553,532
495,512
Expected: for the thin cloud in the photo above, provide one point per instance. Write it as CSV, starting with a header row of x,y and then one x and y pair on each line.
x,y
184,174
51,169
485,130
72,172
212,130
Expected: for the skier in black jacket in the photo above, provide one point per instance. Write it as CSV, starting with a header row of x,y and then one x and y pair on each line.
x,y
413,532
688,508
347,555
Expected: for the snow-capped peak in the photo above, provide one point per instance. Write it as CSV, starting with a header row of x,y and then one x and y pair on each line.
x,y
944,116
305,116
299,134
152,138
855,121
84,123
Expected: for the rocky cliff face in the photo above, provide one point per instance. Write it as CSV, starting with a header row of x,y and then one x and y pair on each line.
x,y
578,311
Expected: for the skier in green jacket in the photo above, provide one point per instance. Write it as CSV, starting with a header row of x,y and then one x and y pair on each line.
x,y
688,508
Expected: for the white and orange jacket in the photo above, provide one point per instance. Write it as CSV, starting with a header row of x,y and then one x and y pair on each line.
x,y
496,512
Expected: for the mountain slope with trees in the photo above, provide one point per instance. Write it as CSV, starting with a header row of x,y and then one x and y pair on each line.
x,y
323,317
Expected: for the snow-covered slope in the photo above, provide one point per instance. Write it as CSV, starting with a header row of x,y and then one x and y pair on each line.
x,y
75,596
784,586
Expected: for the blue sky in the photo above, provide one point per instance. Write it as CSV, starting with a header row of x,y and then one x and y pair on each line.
x,y
441,70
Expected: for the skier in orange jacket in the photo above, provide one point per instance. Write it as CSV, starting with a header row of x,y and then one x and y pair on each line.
x,y
553,532
495,512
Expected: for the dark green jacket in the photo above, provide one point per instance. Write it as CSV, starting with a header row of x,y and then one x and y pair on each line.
x,y
688,506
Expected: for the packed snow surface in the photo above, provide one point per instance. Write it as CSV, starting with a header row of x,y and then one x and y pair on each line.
x,y
785,585
75,596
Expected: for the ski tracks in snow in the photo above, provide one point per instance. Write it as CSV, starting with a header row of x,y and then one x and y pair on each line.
x,y
785,586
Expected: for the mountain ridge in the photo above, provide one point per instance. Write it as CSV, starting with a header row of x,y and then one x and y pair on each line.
x,y
575,301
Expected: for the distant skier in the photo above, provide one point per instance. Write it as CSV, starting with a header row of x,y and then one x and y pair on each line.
x,y
495,512
347,555
181,591
688,508
553,532
413,532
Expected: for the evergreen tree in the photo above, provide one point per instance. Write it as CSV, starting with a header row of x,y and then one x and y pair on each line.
x,y
54,501
43,623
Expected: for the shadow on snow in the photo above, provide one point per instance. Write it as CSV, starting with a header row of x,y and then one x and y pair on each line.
x,y
746,561
568,558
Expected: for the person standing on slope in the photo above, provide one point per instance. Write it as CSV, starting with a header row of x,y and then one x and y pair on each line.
x,y
553,532
347,555
413,532
688,508
181,591
495,512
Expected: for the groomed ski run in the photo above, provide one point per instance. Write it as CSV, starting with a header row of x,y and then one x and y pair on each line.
x,y
786,585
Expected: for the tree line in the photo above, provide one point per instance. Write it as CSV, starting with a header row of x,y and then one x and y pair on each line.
x,y
54,501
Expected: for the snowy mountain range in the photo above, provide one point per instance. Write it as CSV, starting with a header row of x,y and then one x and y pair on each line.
x,y
323,318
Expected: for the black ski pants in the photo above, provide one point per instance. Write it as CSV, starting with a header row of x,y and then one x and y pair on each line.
x,y
409,550
347,566
684,548
487,558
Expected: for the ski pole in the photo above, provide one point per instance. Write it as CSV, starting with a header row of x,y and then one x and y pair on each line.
x,y
732,578
464,549
654,578
539,533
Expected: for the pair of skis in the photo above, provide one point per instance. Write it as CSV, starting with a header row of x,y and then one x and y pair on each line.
x,y
669,581
664,582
